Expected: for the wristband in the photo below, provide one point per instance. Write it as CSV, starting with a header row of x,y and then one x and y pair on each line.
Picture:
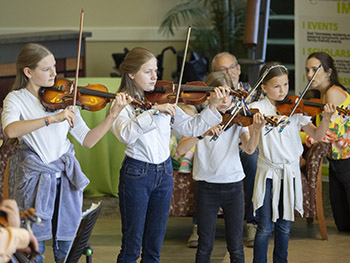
x,y
200,137
47,121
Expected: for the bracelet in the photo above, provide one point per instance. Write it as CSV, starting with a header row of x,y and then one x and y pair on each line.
x,y
47,121
200,137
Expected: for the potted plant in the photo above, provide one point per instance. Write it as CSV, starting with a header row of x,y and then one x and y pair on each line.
x,y
217,25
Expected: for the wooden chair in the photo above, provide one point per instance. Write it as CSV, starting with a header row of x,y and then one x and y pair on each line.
x,y
312,185
6,150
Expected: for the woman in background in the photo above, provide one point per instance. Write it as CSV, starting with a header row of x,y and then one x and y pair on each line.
x,y
326,81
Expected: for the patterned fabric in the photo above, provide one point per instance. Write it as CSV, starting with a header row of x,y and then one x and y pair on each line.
x,y
339,131
6,150
256,96
182,202
175,158
309,177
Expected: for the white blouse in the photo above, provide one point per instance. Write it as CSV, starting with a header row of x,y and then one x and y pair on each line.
x,y
218,161
147,136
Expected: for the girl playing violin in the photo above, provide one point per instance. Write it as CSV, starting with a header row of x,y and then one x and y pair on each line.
x,y
327,83
145,185
219,175
47,175
278,190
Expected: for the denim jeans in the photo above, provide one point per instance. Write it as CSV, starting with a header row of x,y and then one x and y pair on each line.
x,y
265,228
249,163
209,198
145,192
60,248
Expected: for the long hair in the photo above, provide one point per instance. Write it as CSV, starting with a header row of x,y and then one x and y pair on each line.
x,y
30,55
327,63
132,63
274,69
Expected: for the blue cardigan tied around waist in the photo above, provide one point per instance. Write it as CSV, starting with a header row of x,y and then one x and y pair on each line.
x,y
36,186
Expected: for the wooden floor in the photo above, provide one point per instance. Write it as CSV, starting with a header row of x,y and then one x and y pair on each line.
x,y
305,241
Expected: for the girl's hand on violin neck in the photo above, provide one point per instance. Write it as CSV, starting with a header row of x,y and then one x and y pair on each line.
x,y
216,130
166,108
216,97
119,103
258,121
67,114
329,110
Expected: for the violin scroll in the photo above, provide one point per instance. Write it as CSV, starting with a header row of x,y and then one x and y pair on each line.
x,y
345,111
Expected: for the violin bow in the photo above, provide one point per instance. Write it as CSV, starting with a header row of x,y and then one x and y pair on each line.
x,y
182,67
285,122
305,90
78,58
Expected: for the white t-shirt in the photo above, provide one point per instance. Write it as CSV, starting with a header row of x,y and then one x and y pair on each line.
x,y
218,161
49,142
147,136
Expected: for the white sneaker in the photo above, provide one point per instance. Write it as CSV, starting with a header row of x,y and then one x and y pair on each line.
x,y
193,239
251,231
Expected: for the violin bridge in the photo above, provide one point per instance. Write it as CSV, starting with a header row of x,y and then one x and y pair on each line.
x,y
71,89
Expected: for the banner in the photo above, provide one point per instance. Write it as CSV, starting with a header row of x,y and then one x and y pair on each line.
x,y
322,25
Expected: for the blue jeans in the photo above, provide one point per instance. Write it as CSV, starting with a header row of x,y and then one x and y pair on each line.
x,y
145,192
265,228
249,163
209,198
60,248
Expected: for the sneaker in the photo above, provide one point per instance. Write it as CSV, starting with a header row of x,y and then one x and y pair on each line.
x,y
186,166
251,231
193,239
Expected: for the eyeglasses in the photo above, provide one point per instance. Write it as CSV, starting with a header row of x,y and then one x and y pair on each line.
x,y
230,68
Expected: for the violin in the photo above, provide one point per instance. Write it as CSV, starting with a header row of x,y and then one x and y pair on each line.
x,y
244,118
92,97
310,107
193,93
26,217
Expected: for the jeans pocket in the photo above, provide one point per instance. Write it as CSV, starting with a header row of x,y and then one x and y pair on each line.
x,y
133,171
168,170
